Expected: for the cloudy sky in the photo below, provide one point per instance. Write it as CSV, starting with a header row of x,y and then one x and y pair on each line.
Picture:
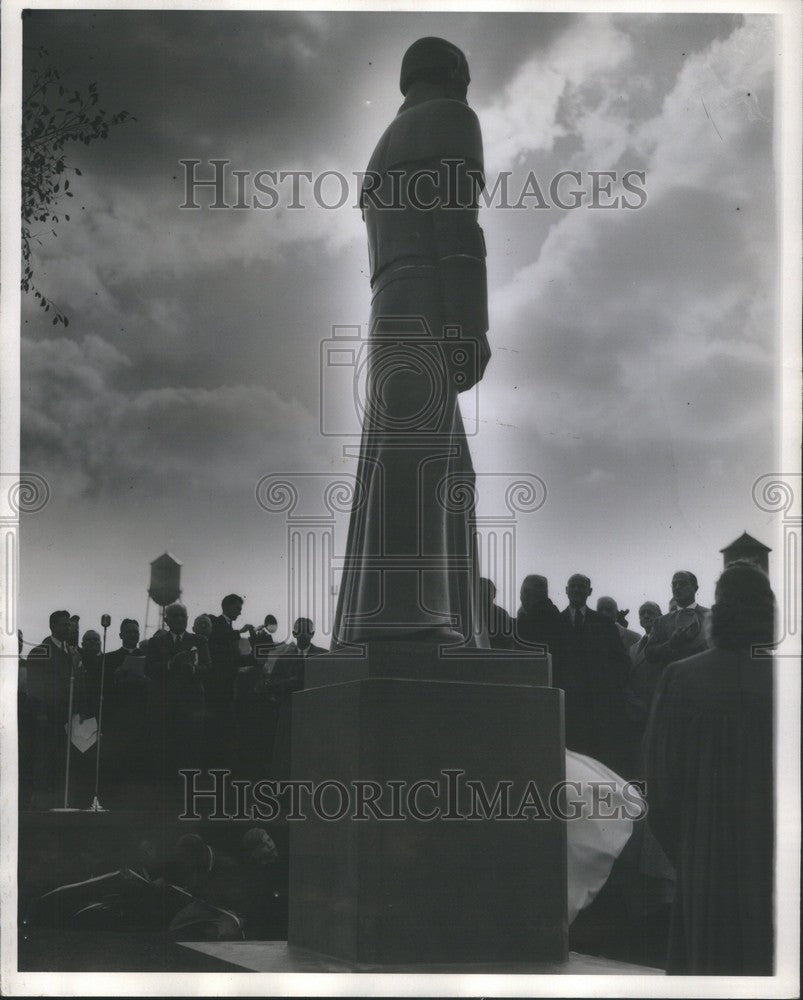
x,y
636,351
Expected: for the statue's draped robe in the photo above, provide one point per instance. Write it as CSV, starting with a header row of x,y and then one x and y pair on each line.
x,y
411,565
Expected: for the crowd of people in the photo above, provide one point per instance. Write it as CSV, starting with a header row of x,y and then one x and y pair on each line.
x,y
218,695
608,672
686,706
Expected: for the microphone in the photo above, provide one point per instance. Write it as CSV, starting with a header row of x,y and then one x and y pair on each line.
x,y
105,621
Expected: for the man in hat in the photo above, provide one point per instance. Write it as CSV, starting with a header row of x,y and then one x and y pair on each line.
x,y
410,569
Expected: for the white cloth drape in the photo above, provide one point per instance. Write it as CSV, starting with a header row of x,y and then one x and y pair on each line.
x,y
593,844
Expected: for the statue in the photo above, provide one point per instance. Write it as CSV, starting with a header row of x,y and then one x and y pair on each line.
x,y
411,564
411,687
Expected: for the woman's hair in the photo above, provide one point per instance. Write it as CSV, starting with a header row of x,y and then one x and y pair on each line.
x,y
744,612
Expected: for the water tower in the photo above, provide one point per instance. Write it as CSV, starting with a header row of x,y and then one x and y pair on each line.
x,y
165,586
748,548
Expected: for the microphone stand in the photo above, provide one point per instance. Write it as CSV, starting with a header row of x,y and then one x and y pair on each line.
x,y
96,806
73,654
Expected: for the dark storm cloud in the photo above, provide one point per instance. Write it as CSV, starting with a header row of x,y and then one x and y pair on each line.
x,y
190,76
633,361
200,304
96,440
273,82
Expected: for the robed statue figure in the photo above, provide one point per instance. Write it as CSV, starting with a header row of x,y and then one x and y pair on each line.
x,y
411,565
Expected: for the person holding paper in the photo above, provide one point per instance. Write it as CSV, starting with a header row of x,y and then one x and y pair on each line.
x,y
176,663
125,711
227,657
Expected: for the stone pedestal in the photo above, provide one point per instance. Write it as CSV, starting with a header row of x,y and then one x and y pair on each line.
x,y
427,661
436,881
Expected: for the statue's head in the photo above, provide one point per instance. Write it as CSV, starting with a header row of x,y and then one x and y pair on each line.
x,y
436,61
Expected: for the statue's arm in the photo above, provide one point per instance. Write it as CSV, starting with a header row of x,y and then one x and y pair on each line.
x,y
460,249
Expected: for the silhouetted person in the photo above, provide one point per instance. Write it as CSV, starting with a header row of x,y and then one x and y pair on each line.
x,y
682,632
176,662
498,622
608,608
286,679
256,705
203,626
644,676
709,765
538,621
224,650
593,673
49,667
125,752
90,653
261,639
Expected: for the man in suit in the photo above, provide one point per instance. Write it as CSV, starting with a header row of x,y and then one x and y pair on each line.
x,y
224,651
681,633
50,665
288,677
593,673
90,652
125,709
129,646
648,614
176,662
255,707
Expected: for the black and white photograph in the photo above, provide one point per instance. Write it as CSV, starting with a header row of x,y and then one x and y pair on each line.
x,y
400,497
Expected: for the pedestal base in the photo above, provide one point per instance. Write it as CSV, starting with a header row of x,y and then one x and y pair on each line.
x,y
276,956
428,661
461,870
